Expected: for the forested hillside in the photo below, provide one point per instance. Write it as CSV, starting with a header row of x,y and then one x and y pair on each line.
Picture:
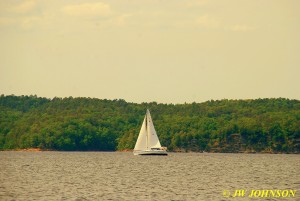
x,y
261,125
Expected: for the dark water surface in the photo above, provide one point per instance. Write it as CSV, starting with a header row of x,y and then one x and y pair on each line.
x,y
122,176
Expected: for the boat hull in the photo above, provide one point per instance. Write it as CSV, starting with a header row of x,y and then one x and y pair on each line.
x,y
150,152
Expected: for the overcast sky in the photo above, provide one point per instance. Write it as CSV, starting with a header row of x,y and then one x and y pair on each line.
x,y
169,51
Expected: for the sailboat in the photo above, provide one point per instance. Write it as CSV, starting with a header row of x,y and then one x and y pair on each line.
x,y
148,142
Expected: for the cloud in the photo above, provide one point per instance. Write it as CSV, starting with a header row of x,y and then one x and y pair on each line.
x,y
207,22
25,22
24,6
18,13
242,28
29,22
4,21
197,3
19,7
121,20
88,9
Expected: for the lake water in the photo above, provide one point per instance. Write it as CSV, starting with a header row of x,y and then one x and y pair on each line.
x,y
122,176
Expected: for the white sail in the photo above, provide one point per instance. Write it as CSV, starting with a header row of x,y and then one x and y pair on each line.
x,y
153,141
141,143
148,142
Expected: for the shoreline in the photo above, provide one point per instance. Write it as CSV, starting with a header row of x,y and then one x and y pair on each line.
x,y
129,150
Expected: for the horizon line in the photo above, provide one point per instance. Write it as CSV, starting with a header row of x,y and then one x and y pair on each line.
x,y
121,99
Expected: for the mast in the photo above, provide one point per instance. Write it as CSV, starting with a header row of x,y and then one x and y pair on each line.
x,y
146,132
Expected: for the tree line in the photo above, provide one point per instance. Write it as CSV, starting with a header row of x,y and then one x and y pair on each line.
x,y
90,124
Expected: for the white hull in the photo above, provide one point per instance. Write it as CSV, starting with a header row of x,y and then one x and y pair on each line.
x,y
151,152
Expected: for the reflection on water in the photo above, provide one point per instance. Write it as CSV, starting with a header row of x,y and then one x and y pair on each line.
x,y
122,176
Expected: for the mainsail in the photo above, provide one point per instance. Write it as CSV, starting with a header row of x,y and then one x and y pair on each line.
x,y
147,138
153,140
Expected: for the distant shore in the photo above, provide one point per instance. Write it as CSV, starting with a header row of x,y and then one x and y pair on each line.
x,y
130,150
269,125
27,150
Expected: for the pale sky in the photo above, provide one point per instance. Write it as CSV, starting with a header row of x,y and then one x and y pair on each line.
x,y
168,51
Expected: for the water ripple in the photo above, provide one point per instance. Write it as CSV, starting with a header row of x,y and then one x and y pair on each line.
x,y
122,176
